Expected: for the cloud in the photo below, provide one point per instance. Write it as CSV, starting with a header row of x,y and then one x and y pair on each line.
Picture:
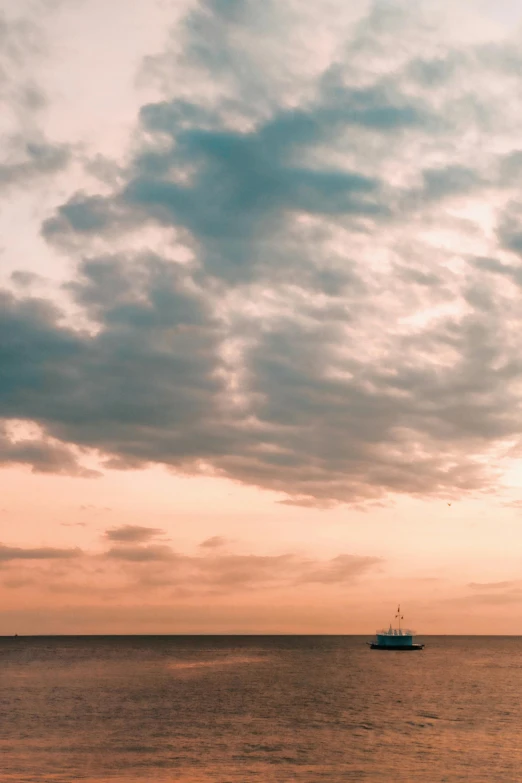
x,y
42,455
330,315
10,553
513,503
25,280
141,554
19,38
17,583
100,385
34,159
26,152
154,566
490,585
131,568
343,568
132,533
495,598
214,542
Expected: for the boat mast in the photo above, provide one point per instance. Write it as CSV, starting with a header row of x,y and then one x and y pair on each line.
x,y
399,616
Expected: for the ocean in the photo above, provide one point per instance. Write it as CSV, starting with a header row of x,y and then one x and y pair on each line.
x,y
275,709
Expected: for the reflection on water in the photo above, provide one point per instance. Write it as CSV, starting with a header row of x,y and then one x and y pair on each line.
x,y
215,663
274,709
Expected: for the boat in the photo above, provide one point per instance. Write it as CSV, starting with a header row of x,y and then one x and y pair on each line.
x,y
399,639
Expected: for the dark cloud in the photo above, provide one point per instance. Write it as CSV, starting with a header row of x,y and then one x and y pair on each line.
x,y
25,280
242,188
153,364
81,215
234,191
512,272
42,455
34,159
9,553
132,533
511,167
446,182
510,228
323,339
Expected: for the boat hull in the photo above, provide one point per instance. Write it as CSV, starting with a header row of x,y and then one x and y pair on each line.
x,y
398,648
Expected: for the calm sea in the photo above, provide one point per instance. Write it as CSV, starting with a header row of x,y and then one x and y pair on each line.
x,y
229,709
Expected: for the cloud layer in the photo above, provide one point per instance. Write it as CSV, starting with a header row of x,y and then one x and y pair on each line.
x,y
26,152
134,565
329,307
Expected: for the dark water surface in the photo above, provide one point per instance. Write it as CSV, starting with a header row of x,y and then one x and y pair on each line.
x,y
218,709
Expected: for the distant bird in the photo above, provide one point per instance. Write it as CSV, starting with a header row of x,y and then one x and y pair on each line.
x,y
449,504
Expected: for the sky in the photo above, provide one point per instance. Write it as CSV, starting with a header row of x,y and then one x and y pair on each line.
x,y
260,316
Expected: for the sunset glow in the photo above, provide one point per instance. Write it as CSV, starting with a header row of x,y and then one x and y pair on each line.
x,y
260,317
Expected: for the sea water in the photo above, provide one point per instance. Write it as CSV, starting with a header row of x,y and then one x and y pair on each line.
x,y
230,709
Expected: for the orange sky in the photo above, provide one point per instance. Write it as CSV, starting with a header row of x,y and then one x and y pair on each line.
x,y
266,567
260,285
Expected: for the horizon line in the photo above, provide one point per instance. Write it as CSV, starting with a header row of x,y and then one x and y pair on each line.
x,y
240,635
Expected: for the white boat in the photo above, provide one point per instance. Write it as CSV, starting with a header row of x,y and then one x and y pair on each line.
x,y
395,638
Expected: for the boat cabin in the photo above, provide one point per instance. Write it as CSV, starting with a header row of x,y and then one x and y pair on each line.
x,y
395,637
